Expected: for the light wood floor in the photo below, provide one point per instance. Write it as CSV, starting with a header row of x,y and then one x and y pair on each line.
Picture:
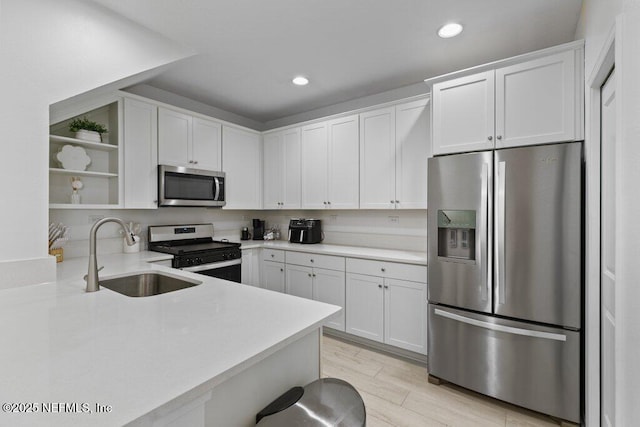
x,y
396,393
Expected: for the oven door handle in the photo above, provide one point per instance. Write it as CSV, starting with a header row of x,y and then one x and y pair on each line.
x,y
212,266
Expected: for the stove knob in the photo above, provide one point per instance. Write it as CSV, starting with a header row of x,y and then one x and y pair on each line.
x,y
198,260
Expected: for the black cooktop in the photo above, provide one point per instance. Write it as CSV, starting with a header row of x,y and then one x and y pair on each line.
x,y
183,247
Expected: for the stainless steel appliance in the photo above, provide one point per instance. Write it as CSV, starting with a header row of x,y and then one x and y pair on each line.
x,y
505,275
305,231
194,249
180,186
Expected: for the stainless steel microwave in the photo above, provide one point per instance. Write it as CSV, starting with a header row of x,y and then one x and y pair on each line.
x,y
180,186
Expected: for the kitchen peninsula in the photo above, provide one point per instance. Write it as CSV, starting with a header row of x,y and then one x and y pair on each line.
x,y
212,354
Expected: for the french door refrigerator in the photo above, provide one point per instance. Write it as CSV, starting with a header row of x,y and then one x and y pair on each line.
x,y
505,275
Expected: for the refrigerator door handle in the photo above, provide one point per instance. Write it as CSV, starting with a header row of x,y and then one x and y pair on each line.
x,y
500,232
485,240
501,328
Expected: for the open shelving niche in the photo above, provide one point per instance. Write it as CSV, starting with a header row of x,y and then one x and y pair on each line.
x,y
101,177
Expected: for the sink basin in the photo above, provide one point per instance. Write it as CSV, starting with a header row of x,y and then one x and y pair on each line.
x,y
147,284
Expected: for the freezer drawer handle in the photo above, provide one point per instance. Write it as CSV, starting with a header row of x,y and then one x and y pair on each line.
x,y
501,328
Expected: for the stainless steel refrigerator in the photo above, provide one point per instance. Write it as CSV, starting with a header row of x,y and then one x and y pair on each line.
x,y
505,275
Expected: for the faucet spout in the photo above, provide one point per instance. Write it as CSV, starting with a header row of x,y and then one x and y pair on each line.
x,y
92,274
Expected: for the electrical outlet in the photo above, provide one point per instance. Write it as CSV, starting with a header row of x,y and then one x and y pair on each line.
x,y
94,218
393,219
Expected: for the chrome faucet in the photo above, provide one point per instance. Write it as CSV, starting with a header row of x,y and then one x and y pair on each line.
x,y
92,274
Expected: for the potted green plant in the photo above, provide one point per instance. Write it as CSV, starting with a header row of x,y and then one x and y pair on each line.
x,y
87,129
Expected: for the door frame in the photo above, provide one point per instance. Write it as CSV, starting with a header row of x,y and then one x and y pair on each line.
x,y
605,62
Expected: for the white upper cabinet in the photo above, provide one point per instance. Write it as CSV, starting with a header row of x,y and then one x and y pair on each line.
x,y
530,102
330,164
535,101
377,159
282,169
343,171
185,140
140,154
207,144
413,148
463,114
394,148
242,164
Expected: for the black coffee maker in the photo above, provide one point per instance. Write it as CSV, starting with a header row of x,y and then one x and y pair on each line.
x,y
258,229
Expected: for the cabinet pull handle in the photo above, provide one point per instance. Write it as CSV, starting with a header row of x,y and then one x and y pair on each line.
x,y
380,286
499,137
329,203
314,274
391,201
386,286
272,255
383,270
281,270
195,162
490,138
309,274
311,259
397,201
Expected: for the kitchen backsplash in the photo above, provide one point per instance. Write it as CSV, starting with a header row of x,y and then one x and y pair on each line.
x,y
405,230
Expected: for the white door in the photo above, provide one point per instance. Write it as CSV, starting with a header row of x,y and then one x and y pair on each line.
x,y
273,170
207,144
413,148
174,138
463,114
291,169
140,155
299,281
329,287
364,306
608,251
377,159
343,174
314,140
535,101
273,276
405,314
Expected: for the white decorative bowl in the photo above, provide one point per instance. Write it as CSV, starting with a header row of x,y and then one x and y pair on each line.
x,y
89,135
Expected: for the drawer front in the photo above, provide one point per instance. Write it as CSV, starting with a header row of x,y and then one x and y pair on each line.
x,y
395,270
315,260
273,255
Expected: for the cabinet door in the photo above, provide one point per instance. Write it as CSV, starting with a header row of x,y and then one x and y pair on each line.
x,y
364,306
377,159
273,175
405,313
242,163
314,140
536,101
140,155
251,267
463,114
291,169
207,144
299,281
344,172
329,287
273,277
174,138
413,148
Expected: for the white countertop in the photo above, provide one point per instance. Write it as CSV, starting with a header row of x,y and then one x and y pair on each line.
x,y
63,345
393,255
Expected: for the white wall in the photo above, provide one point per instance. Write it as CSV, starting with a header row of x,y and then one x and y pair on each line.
x,y
49,51
597,20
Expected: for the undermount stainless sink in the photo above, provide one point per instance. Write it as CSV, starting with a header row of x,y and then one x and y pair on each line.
x,y
147,284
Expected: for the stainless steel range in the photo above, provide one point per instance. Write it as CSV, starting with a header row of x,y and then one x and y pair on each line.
x,y
194,250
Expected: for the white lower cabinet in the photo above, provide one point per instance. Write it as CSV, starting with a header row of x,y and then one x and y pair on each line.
x,y
251,267
387,309
273,276
319,284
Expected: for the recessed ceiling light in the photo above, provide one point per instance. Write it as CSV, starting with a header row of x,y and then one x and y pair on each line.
x,y
300,81
450,30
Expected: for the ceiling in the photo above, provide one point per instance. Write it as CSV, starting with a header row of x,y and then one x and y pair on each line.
x,y
249,50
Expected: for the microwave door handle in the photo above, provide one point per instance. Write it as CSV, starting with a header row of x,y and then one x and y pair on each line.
x,y
216,182
301,235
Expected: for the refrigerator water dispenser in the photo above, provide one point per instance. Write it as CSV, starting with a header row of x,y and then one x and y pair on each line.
x,y
457,234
